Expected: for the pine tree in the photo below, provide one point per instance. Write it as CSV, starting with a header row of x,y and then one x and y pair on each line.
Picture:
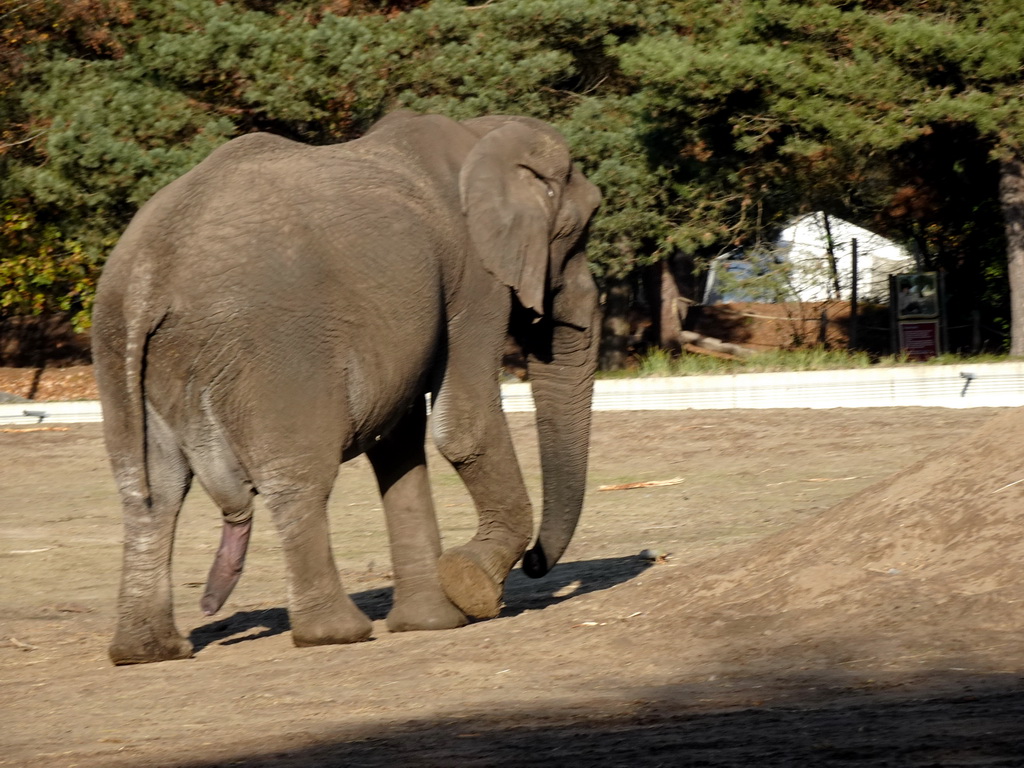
x,y
707,125
782,106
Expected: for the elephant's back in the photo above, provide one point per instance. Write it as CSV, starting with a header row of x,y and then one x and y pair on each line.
x,y
266,219
296,267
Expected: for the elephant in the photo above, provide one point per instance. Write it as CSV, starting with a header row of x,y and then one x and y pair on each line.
x,y
282,308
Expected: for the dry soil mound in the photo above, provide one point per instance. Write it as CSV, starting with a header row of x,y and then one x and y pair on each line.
x,y
920,571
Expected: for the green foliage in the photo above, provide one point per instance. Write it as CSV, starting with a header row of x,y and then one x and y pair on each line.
x,y
658,362
891,118
109,125
609,143
707,125
45,272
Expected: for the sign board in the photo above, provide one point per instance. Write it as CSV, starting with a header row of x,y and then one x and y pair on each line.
x,y
916,303
919,339
917,295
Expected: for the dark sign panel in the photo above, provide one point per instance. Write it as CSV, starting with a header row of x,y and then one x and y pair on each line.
x,y
920,339
916,310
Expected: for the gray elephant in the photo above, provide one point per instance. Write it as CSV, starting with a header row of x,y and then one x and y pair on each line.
x,y
282,308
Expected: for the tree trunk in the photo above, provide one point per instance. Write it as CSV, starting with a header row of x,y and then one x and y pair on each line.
x,y
669,326
830,249
661,289
615,327
1011,197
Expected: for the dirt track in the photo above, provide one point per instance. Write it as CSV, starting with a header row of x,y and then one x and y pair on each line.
x,y
885,632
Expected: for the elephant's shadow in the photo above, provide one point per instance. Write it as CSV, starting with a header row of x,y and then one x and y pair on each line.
x,y
565,582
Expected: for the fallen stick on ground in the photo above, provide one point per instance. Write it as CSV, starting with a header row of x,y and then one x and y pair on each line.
x,y
36,429
815,480
643,484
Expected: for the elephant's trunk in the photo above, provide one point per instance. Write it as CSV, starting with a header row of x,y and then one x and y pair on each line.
x,y
562,389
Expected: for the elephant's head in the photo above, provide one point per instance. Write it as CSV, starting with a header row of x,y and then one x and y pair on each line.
x,y
528,208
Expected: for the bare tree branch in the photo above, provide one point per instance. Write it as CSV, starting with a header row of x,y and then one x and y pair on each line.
x,y
22,141
20,7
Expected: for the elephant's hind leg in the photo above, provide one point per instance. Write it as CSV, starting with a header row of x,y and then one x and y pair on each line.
x,y
400,465
320,611
145,626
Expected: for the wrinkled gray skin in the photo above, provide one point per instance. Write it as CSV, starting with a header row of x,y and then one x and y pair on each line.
x,y
282,308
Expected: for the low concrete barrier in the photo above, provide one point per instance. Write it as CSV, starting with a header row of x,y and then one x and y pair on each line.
x,y
76,412
988,385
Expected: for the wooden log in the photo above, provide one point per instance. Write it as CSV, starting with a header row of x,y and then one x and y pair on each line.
x,y
715,345
693,349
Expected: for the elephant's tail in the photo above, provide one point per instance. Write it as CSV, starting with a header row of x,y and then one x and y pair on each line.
x,y
124,319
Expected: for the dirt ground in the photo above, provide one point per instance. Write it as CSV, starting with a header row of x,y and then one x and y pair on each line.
x,y
806,608
48,384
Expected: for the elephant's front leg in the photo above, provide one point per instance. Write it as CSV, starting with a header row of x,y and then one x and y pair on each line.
x,y
474,573
400,464
470,431
320,611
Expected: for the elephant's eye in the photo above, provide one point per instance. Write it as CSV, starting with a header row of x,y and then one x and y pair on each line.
x,y
547,184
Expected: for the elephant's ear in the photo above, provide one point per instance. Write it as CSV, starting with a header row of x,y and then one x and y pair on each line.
x,y
511,185
575,302
572,284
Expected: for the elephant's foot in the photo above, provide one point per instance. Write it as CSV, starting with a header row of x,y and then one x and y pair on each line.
x,y
473,577
421,612
145,647
330,629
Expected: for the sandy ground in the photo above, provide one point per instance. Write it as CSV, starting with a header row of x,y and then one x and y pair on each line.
x,y
807,608
47,384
